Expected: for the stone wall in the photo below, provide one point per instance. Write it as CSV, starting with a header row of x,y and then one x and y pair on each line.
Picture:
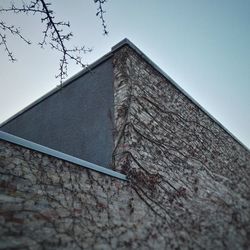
x,y
46,203
183,165
188,182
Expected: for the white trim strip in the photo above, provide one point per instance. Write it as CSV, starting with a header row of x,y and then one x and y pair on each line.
x,y
45,150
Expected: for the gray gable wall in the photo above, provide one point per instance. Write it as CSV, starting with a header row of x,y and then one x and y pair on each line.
x,y
77,119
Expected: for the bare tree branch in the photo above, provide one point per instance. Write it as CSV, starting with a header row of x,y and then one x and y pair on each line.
x,y
55,34
3,42
100,13
14,31
11,29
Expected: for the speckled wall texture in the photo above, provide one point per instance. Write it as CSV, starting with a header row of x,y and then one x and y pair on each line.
x,y
76,119
188,188
182,164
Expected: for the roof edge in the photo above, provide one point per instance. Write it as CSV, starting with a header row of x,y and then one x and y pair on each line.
x,y
88,69
84,71
157,68
57,154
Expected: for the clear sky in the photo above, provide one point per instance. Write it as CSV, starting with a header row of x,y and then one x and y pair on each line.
x,y
204,45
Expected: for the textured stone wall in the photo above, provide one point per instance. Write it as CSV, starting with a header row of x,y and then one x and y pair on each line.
x,y
188,182
46,203
183,165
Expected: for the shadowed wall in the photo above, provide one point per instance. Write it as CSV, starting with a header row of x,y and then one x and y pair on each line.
x,y
76,120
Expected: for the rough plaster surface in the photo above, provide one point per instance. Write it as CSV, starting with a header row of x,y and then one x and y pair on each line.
x,y
188,179
76,120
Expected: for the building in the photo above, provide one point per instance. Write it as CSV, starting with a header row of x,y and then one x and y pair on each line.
x,y
166,175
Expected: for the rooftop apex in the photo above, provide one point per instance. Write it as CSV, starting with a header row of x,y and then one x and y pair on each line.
x,y
95,64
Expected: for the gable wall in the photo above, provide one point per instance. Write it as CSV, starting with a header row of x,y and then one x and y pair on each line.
x,y
77,119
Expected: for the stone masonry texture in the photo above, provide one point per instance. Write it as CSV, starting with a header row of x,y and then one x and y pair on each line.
x,y
191,173
188,180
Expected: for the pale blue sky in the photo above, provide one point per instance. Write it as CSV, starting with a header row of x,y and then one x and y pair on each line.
x,y
204,45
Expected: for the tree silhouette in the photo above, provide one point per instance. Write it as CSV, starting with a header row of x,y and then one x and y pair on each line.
x,y
56,33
